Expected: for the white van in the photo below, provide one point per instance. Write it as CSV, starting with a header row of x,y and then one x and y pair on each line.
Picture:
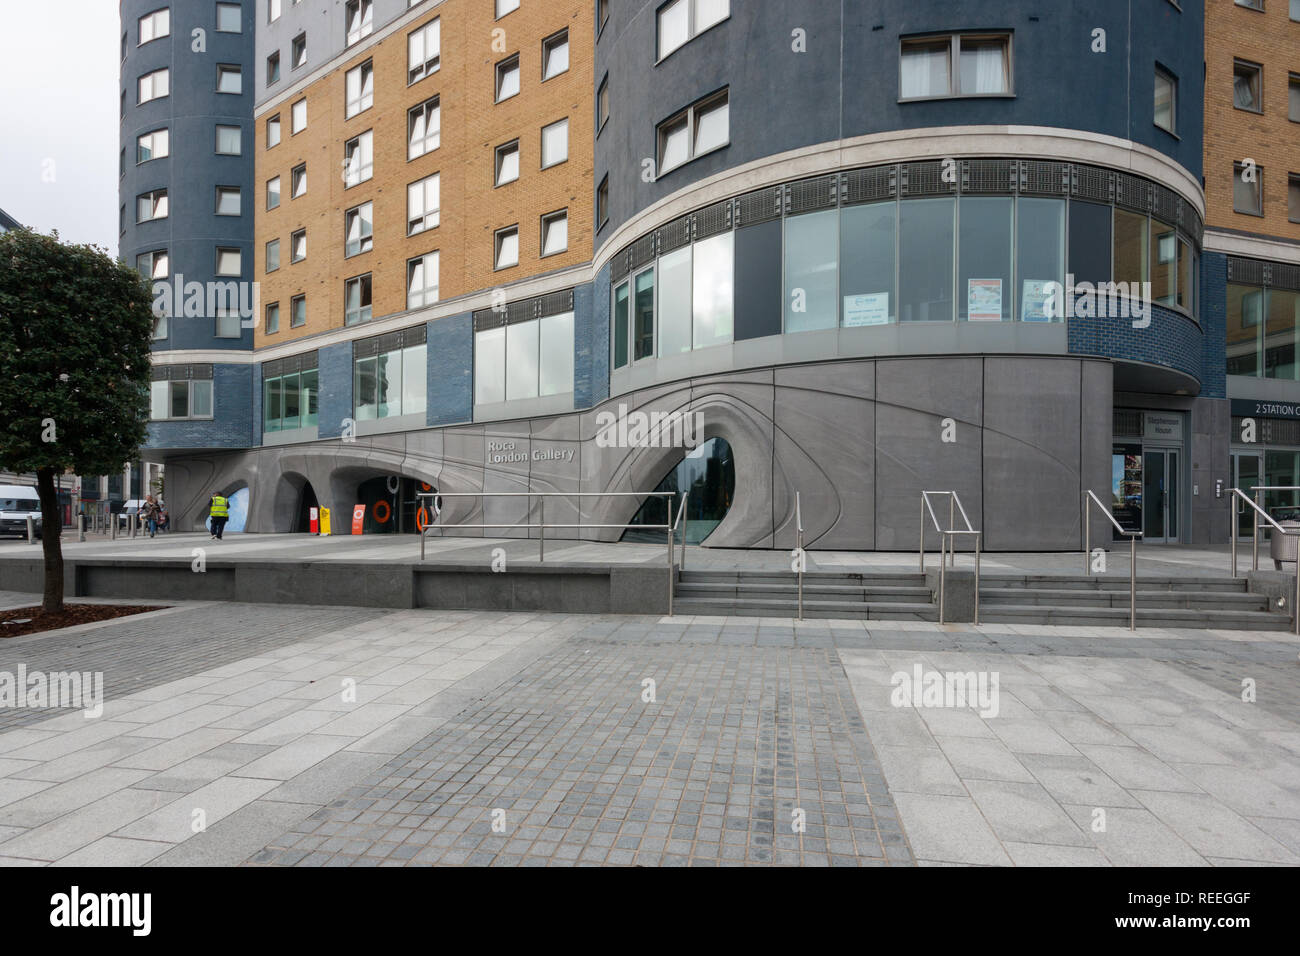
x,y
16,503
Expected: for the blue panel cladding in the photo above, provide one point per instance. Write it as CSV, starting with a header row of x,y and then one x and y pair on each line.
x,y
335,365
1214,322
591,342
231,425
1171,340
451,370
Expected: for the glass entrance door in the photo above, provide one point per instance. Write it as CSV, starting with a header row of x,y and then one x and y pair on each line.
x,y
1160,495
1247,469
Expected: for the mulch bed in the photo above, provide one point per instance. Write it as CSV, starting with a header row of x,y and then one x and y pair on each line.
x,y
35,620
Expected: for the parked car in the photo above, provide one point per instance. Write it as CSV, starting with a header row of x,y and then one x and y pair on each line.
x,y
16,503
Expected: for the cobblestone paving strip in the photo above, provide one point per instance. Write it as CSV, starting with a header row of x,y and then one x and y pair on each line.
x,y
589,774
138,653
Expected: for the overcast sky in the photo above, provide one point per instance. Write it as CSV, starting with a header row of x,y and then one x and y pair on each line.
x,y
58,114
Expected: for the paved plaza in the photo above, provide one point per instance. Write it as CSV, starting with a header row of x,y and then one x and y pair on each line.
x,y
292,736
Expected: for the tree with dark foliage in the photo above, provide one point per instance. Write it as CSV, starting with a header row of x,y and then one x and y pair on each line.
x,y
75,327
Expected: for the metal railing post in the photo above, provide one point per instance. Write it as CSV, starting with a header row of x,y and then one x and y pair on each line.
x,y
1254,551
1132,582
978,538
952,523
1232,500
670,557
923,532
943,574
81,527
685,499
803,558
1087,536
541,530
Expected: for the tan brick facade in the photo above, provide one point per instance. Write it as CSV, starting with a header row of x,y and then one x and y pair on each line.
x,y
473,125
1269,38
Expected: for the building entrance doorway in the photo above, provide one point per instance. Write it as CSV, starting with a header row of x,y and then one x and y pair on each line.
x,y
1160,477
306,501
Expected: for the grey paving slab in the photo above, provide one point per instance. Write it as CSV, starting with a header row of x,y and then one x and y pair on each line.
x,y
950,829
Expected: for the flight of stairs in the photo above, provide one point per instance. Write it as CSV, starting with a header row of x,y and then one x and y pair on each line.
x,y
1208,602
1190,602
876,596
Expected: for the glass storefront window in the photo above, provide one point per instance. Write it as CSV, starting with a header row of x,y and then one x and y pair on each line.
x,y
675,302
713,291
555,351
388,384
414,379
521,360
984,259
364,389
1280,334
1040,254
708,473
289,401
812,249
644,315
490,366
1164,263
290,395
310,397
867,263
1281,468
271,405
1244,315
925,250
620,314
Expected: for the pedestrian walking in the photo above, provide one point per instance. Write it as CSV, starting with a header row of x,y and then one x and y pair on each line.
x,y
219,510
150,511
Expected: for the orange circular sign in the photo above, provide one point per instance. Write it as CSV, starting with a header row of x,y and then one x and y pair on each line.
x,y
382,517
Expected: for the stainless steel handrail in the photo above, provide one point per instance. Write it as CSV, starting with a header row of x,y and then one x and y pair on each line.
x,y
669,527
800,556
1258,506
1261,513
947,546
1088,500
682,517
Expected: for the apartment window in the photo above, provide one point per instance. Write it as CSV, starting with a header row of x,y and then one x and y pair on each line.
x,y
229,262
422,280
360,89
602,202
507,163
555,232
229,78
154,26
423,128
1293,197
507,247
272,10
273,255
123,46
228,201
423,48
555,143
392,382
272,318
151,205
361,16
1295,10
555,55
1293,105
1246,83
273,131
153,86
358,159
298,181
1251,4
506,6
1248,194
183,399
298,245
958,65
153,145
602,104
273,68
298,51
422,204
697,130
273,192
682,20
121,219
508,78
1166,101
228,140
229,18
297,311
228,324
359,229
153,265
356,298
298,117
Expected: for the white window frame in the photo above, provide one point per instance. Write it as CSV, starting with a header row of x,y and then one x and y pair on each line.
x,y
296,61
690,118
226,251
503,7
153,19
278,193
549,46
294,301
238,12
430,112
227,191
565,158
503,69
498,245
359,159
297,177
419,63
239,136
548,222
427,295
364,312
419,216
226,70
294,237
157,205
364,214
152,137
499,153
294,128
693,27
359,20
274,123
153,80
364,96
954,41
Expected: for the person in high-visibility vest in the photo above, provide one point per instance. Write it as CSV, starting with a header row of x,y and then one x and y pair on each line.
x,y
219,509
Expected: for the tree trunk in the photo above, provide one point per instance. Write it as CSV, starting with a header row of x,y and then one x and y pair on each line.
x,y
51,529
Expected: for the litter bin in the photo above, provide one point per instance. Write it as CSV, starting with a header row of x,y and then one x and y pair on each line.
x,y
1284,547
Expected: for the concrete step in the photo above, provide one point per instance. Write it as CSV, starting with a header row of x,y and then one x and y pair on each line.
x,y
1112,582
829,578
1113,597
1146,617
816,592
896,611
